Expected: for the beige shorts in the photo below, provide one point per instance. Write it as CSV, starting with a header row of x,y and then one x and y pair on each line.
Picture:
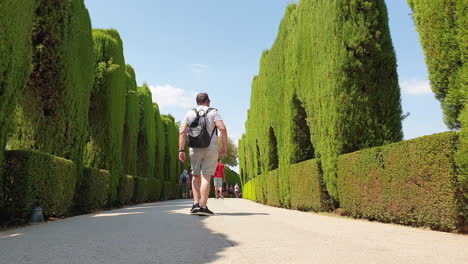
x,y
204,160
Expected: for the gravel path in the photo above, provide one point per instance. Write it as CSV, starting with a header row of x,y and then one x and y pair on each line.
x,y
241,232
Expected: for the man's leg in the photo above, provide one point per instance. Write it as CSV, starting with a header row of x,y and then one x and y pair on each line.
x,y
220,190
196,188
205,189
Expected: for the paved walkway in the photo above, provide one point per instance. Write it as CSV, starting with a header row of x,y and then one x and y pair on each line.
x,y
241,232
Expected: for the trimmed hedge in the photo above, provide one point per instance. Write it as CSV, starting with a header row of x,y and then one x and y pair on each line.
x,y
126,189
140,194
462,156
272,192
131,126
146,148
33,177
412,183
53,112
308,191
154,189
249,190
93,190
107,107
328,86
16,18
160,145
170,191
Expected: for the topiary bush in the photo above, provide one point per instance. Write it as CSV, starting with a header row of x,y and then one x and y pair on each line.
x,y
126,189
442,27
16,18
140,193
131,126
53,112
412,183
154,189
107,107
160,145
308,191
272,190
93,190
249,190
35,178
146,149
328,86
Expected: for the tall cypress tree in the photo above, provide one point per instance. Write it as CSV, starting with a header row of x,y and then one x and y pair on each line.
x,y
16,17
131,126
328,86
107,107
443,30
53,113
146,135
160,144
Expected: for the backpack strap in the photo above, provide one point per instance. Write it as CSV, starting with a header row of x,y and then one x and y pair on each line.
x,y
215,129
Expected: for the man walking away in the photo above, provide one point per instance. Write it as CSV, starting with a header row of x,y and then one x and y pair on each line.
x,y
218,180
201,126
183,182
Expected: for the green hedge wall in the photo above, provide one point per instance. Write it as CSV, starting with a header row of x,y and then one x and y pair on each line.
x,y
160,144
171,154
53,112
16,18
462,156
131,126
328,86
412,183
154,189
147,134
307,187
231,176
126,189
93,190
443,31
140,194
32,178
107,108
272,192
170,190
249,190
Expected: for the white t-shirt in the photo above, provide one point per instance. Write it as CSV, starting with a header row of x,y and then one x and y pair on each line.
x,y
212,117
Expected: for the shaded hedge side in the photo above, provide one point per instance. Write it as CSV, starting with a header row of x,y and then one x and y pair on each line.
x,y
328,86
413,183
93,190
53,112
443,31
126,189
16,18
308,191
146,148
32,178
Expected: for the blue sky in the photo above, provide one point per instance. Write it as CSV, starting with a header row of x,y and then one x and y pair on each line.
x,y
181,47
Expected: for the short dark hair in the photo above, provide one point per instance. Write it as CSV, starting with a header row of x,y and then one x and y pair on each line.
x,y
202,98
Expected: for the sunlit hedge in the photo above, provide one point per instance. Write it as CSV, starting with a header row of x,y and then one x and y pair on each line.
x,y
147,134
131,126
328,86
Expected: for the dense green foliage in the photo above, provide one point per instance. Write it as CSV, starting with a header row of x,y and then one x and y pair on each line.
x,y
328,86
170,190
126,189
412,182
160,144
93,190
462,155
140,193
171,173
443,31
34,178
16,18
146,135
107,107
131,126
307,187
53,112
231,176
230,159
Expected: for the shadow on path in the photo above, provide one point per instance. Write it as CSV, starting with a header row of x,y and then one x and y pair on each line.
x,y
151,233
240,214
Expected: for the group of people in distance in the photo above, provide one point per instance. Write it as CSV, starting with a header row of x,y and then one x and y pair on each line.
x,y
200,127
221,186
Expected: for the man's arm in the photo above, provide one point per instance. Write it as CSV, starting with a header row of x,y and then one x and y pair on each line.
x,y
182,139
222,129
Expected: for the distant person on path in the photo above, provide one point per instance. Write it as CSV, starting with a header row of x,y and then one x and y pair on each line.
x,y
237,190
190,182
183,183
231,191
201,126
218,180
225,188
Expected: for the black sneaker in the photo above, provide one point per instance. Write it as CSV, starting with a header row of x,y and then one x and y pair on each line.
x,y
205,211
195,209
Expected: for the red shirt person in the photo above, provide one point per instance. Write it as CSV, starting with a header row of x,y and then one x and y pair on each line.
x,y
218,180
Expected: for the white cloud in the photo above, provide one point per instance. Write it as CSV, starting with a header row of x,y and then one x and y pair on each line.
x,y
416,87
168,95
198,68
